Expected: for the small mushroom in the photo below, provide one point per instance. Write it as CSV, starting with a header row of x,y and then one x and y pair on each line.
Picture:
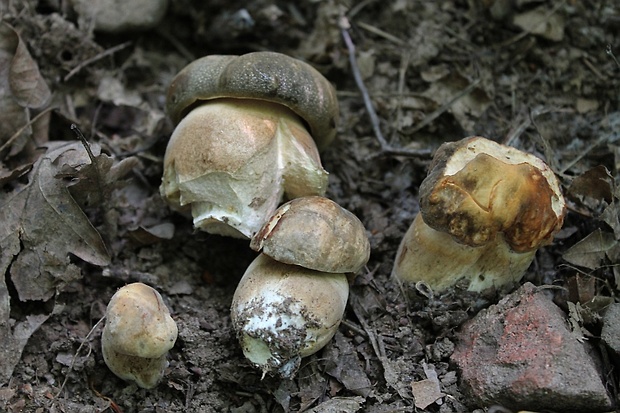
x,y
138,334
246,137
485,209
316,233
291,299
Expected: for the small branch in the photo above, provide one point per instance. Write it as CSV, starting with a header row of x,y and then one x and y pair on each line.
x,y
17,134
374,119
610,53
93,59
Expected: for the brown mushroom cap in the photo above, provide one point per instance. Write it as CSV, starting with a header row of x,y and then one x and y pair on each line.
x,y
478,188
268,76
316,233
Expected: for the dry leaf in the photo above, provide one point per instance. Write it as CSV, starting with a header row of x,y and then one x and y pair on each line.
x,y
27,85
595,183
42,226
592,250
466,109
428,391
48,224
339,405
21,87
541,22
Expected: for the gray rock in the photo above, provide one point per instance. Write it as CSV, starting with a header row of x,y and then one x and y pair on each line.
x,y
114,16
611,328
521,354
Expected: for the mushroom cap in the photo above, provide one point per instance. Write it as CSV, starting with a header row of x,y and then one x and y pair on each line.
x,y
284,312
230,162
315,232
478,188
269,76
138,322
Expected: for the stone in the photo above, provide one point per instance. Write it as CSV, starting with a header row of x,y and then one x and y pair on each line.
x,y
115,16
521,354
610,333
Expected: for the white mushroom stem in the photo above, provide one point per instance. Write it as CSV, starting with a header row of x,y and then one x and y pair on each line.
x,y
284,312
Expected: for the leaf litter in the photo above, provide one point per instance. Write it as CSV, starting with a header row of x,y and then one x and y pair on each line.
x,y
528,74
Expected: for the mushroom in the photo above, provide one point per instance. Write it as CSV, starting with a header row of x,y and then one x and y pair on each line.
x,y
283,312
248,131
291,299
137,335
485,209
316,233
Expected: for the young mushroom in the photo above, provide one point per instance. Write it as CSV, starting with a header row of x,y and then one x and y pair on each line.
x,y
485,209
248,131
137,335
291,299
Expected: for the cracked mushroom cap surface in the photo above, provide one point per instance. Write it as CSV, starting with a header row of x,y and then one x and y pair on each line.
x,y
267,76
316,233
478,188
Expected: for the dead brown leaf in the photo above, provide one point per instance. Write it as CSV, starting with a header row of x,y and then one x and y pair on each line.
x,y
595,183
42,226
21,87
591,251
45,223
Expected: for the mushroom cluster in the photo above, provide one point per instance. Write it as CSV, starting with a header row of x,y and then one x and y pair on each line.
x,y
247,137
248,130
291,299
485,209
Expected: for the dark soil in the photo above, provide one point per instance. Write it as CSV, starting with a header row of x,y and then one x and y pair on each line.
x,y
557,98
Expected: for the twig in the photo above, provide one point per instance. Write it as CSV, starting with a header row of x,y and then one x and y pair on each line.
x,y
435,114
610,53
91,156
76,355
374,119
93,59
526,33
17,134
381,33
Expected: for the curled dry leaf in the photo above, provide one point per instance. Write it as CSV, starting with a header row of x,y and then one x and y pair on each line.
x,y
42,225
27,85
21,86
591,251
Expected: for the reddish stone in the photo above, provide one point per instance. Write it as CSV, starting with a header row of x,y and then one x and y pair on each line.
x,y
521,354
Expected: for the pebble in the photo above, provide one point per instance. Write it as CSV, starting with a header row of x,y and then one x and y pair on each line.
x,y
116,16
521,354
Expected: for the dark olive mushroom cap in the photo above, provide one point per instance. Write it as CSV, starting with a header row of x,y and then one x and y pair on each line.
x,y
269,76
478,188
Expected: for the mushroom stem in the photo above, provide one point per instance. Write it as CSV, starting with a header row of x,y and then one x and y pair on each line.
x,y
423,250
284,312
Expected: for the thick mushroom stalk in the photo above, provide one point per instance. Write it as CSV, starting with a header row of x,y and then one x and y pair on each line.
x,y
290,301
138,334
485,209
247,136
284,312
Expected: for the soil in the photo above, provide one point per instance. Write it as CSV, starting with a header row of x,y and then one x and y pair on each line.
x,y
553,93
